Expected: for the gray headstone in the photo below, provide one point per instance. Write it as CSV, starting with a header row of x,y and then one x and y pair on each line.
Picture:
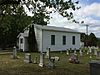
x,y
35,60
41,64
95,67
28,58
14,56
95,52
51,63
98,54
48,53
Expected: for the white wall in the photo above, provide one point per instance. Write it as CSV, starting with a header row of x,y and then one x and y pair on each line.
x,y
21,45
58,40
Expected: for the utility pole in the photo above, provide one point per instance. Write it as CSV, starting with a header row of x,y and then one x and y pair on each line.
x,y
87,34
87,29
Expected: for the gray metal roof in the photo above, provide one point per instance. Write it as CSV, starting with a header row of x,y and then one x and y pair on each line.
x,y
53,28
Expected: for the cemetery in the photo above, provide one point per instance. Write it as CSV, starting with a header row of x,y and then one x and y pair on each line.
x,y
37,37
50,63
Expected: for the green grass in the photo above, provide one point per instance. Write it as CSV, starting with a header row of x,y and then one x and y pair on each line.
x,y
9,66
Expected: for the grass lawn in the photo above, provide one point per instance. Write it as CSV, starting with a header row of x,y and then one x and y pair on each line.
x,y
9,66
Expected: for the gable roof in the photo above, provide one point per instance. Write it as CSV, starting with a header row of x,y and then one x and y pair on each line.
x,y
53,28
49,28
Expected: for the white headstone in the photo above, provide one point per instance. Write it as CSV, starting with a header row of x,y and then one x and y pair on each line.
x,y
90,56
67,52
81,53
95,51
90,49
74,51
41,64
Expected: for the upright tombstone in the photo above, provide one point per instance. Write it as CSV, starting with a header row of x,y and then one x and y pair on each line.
x,y
90,52
87,50
50,60
90,56
98,54
90,49
14,56
48,53
67,52
28,58
81,53
35,60
75,51
95,51
41,64
51,63
70,50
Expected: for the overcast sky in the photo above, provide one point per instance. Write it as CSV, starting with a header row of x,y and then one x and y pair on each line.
x,y
89,13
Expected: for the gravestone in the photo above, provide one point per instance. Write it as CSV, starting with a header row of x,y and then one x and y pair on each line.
x,y
48,53
90,56
90,49
87,50
41,64
95,52
56,58
95,67
81,53
28,58
70,50
90,52
35,60
14,56
98,54
52,60
51,63
67,52
75,51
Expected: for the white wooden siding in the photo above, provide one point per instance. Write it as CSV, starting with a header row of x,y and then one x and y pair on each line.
x,y
58,40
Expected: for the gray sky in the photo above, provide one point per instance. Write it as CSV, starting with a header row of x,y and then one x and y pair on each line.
x,y
89,12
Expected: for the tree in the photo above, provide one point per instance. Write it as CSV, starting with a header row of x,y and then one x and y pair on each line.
x,y
89,40
98,43
92,40
84,38
32,40
13,20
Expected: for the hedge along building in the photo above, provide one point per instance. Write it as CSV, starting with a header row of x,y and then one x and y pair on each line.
x,y
56,38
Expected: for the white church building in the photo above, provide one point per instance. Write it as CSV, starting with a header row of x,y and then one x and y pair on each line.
x,y
55,38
